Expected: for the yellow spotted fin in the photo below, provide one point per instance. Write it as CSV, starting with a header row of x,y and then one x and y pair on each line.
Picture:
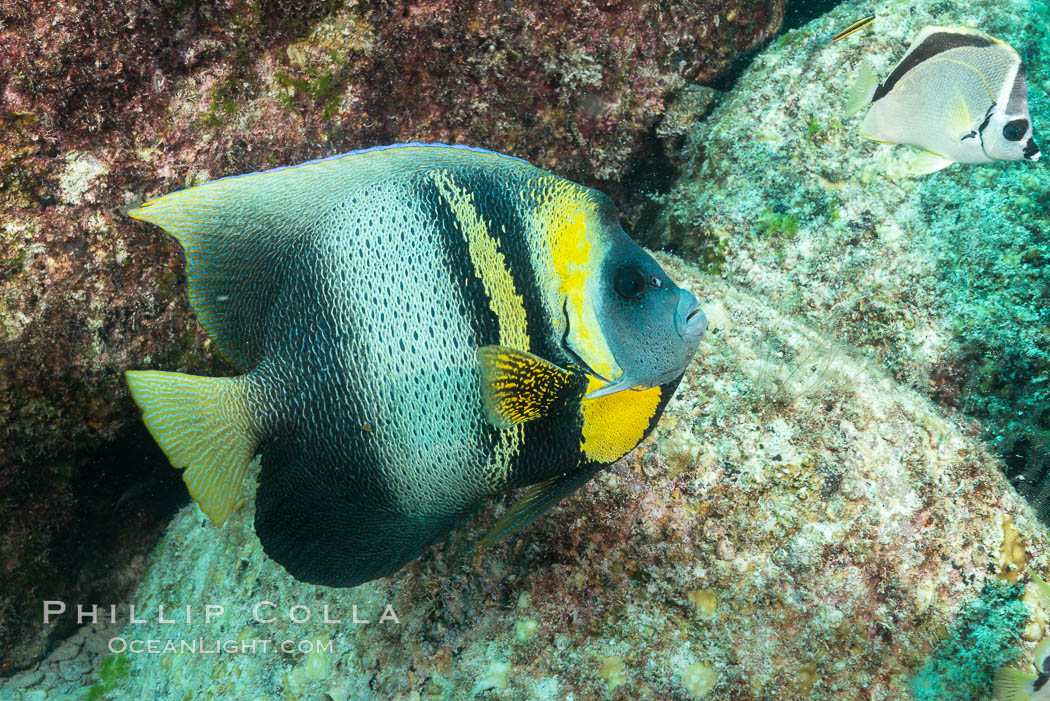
x,y
1012,685
534,501
203,425
862,90
517,386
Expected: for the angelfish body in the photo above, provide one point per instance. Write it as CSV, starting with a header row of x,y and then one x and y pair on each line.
x,y
419,328
958,94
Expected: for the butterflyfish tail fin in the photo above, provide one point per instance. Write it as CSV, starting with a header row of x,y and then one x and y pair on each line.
x,y
1012,685
1041,653
203,425
517,386
861,90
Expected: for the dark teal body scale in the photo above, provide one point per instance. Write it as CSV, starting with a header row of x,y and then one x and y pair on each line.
x,y
323,509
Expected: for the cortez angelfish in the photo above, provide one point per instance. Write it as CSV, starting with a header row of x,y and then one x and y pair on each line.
x,y
419,327
958,93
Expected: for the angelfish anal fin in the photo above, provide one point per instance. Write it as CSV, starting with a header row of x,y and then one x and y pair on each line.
x,y
926,163
534,501
517,386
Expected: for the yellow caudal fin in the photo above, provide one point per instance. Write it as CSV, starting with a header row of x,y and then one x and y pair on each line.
x,y
1012,685
203,425
1042,589
1041,653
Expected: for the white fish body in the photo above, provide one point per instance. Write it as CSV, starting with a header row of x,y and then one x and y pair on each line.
x,y
957,93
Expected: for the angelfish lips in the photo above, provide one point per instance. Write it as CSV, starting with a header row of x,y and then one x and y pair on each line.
x,y
689,319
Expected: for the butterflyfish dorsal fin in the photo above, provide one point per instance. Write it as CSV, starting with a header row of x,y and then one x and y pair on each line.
x,y
203,425
517,386
533,502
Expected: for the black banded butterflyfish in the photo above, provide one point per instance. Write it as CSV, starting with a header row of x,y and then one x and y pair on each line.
x,y
958,94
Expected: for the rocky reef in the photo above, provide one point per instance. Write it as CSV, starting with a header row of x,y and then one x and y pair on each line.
x,y
942,279
799,526
824,511
102,104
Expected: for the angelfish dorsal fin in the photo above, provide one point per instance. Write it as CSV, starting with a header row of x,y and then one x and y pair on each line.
x,y
517,386
534,501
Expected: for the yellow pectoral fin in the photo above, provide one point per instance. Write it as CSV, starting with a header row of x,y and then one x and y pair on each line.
x,y
960,122
615,423
517,386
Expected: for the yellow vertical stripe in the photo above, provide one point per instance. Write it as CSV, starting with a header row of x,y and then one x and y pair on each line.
x,y
573,252
490,265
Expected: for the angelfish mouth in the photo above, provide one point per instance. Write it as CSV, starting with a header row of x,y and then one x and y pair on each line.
x,y
689,319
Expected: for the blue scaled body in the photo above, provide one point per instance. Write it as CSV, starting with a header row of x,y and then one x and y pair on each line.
x,y
418,328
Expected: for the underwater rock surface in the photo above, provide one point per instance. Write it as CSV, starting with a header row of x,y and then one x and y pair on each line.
x,y
943,279
103,104
799,525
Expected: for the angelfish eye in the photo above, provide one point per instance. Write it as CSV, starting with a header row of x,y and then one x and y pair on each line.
x,y
1014,130
629,283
